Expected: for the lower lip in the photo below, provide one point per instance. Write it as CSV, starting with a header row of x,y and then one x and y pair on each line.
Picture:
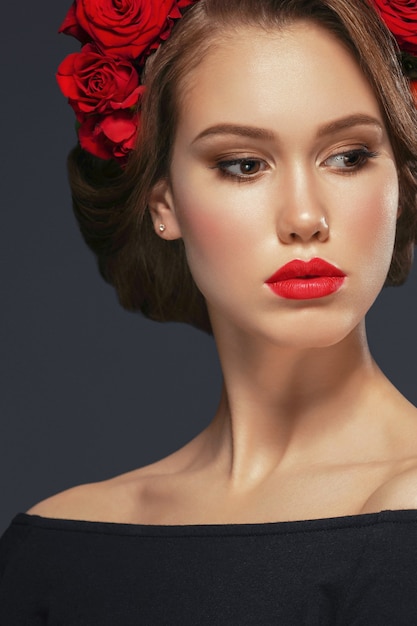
x,y
307,288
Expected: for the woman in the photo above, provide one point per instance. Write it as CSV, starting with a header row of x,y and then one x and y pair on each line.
x,y
271,194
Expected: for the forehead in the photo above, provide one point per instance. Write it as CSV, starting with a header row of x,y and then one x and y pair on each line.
x,y
292,78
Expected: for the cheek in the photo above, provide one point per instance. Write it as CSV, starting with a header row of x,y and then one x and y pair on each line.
x,y
380,221
372,226
201,228
217,229
213,248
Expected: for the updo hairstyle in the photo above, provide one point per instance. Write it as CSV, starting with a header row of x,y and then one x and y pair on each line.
x,y
151,274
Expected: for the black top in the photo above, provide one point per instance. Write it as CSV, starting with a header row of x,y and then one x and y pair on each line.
x,y
341,571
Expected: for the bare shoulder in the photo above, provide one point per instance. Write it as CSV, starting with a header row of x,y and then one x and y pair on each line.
x,y
115,500
399,492
79,502
133,497
399,489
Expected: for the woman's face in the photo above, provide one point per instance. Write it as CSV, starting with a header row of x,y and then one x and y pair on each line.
x,y
281,154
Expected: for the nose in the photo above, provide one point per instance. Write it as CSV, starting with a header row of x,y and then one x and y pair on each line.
x,y
302,216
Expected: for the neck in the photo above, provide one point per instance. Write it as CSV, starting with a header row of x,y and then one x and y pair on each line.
x,y
282,408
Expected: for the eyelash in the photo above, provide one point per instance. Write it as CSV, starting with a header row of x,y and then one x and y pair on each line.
x,y
363,154
239,178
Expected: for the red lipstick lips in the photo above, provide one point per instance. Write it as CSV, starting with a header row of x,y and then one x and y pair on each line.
x,y
300,280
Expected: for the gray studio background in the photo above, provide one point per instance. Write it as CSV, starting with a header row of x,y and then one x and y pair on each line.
x,y
88,390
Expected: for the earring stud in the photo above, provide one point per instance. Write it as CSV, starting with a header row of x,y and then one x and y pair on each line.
x,y
162,227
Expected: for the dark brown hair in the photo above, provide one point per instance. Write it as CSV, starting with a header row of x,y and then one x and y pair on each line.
x,y
151,274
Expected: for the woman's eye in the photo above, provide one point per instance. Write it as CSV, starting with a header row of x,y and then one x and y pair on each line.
x,y
241,168
350,160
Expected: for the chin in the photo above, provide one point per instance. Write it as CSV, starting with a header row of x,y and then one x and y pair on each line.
x,y
315,334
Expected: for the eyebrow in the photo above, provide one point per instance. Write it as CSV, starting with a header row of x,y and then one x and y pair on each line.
x,y
359,119
254,132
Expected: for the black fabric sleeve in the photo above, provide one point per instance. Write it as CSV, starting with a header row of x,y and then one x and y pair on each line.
x,y
10,544
14,600
351,571
384,591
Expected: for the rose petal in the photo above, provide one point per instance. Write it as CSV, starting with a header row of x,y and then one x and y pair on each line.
x,y
414,90
120,126
129,28
401,18
70,26
98,83
93,141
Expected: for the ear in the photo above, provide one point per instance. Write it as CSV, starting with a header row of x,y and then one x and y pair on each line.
x,y
162,210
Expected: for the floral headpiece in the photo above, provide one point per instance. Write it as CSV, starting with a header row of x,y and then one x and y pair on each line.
x,y
401,18
103,81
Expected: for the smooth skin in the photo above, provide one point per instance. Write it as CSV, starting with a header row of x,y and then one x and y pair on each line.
x,y
281,153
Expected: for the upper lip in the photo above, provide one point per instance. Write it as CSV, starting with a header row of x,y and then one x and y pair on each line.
x,y
305,269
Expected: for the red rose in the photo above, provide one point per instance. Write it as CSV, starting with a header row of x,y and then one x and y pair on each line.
x,y
414,90
128,28
96,83
401,18
71,27
111,136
